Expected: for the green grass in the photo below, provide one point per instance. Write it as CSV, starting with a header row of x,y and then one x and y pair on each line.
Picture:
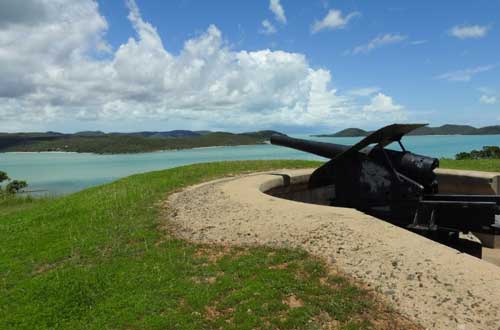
x,y
11,203
488,165
98,259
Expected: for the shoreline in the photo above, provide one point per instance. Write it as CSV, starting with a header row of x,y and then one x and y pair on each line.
x,y
265,143
128,153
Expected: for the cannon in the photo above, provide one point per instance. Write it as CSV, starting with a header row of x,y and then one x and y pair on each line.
x,y
395,185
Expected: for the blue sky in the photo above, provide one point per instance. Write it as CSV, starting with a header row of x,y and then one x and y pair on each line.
x,y
386,61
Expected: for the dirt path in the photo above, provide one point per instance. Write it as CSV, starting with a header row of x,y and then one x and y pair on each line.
x,y
433,285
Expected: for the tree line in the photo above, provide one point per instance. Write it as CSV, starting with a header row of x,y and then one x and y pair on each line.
x,y
488,152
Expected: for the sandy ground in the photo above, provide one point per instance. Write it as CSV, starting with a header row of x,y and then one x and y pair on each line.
x,y
435,286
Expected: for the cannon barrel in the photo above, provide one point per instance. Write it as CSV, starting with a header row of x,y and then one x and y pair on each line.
x,y
418,167
323,149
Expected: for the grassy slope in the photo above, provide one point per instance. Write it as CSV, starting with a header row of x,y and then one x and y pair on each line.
x,y
97,259
488,165
11,204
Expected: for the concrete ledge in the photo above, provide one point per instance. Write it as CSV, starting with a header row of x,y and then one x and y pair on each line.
x,y
450,182
468,182
475,183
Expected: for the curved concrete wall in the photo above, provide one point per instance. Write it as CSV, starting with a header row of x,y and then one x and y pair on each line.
x,y
430,283
450,182
468,182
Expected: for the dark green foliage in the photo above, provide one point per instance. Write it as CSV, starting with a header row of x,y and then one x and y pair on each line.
x,y
488,152
15,186
113,143
3,177
262,134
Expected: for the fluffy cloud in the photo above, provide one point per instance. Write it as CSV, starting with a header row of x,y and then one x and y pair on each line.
x,y
278,11
464,75
29,12
333,21
488,99
469,31
381,103
379,41
207,85
267,27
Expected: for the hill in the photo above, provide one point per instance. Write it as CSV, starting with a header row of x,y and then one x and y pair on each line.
x,y
348,132
447,129
113,143
262,134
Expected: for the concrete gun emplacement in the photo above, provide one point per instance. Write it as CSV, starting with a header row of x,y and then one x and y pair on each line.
x,y
396,186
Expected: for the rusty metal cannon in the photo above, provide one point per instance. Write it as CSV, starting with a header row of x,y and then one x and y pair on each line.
x,y
397,186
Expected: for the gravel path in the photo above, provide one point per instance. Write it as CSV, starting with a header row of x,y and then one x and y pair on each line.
x,y
437,287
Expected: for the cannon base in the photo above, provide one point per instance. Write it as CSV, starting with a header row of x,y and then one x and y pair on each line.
x,y
297,189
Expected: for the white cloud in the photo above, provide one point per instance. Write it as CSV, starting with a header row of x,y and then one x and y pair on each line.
x,y
464,75
333,20
488,99
381,103
29,12
379,41
469,31
364,92
267,27
418,42
278,11
44,83
486,90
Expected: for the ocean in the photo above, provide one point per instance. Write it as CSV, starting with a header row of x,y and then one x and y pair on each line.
x,y
56,173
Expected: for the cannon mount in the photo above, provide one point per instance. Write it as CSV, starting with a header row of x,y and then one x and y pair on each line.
x,y
397,186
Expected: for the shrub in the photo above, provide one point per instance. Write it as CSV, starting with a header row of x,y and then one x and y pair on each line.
x,y
13,187
488,152
3,177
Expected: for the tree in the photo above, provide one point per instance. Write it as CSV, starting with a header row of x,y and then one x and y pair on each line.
x,y
15,186
3,177
488,152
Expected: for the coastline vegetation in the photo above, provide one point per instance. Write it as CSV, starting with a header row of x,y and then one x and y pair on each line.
x,y
120,143
104,258
7,193
488,152
487,159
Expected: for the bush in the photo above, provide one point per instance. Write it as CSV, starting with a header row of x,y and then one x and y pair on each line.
x,y
488,152
12,187
3,177
15,186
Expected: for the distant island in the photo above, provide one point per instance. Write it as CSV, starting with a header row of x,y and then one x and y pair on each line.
x,y
441,130
118,143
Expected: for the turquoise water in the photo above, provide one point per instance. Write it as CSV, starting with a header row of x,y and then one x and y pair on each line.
x,y
61,173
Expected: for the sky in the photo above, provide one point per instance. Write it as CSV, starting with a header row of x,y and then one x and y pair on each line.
x,y
295,66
